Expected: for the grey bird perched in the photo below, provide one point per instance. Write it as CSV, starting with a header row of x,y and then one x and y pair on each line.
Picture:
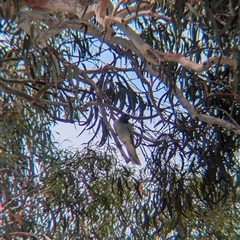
x,y
124,131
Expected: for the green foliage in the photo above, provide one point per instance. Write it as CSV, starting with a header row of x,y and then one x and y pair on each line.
x,y
188,187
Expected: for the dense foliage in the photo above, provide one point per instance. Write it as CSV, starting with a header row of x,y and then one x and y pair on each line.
x,y
188,186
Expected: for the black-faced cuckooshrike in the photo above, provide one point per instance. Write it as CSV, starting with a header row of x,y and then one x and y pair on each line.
x,y
124,131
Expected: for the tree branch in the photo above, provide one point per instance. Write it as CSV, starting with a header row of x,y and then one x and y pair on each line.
x,y
145,49
30,99
152,56
193,113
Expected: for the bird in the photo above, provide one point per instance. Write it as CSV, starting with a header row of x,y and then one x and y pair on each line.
x,y
124,131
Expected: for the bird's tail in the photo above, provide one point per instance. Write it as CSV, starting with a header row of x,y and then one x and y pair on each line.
x,y
133,156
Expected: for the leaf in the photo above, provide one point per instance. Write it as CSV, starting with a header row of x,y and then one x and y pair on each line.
x,y
192,10
146,218
105,133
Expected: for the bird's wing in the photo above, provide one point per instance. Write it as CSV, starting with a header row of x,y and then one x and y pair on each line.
x,y
132,153
125,133
130,129
122,131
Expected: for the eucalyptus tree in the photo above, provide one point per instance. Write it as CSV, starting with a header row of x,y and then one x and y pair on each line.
x,y
172,66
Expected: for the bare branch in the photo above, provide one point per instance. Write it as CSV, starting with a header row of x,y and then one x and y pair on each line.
x,y
153,56
179,58
132,10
